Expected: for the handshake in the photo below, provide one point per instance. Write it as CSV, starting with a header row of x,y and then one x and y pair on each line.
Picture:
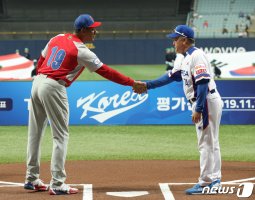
x,y
139,87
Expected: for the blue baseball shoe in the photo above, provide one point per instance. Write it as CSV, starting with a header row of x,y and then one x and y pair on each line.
x,y
196,189
215,184
36,185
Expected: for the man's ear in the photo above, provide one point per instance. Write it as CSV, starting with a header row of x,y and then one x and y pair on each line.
x,y
185,41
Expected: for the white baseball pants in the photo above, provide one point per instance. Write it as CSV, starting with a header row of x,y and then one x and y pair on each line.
x,y
48,102
208,139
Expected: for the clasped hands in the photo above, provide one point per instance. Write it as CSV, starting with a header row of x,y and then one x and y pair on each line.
x,y
139,87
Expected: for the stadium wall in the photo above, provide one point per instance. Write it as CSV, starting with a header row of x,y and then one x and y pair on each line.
x,y
134,51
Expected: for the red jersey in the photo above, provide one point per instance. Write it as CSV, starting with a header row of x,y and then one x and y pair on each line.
x,y
66,57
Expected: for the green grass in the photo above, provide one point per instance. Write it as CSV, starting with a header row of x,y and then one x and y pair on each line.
x,y
131,142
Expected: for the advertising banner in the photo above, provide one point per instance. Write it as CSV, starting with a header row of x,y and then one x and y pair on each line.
x,y
107,103
234,65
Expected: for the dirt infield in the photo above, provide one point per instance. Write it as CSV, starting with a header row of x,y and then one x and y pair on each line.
x,y
153,180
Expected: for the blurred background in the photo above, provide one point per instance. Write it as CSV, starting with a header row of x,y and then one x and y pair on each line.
x,y
134,31
34,19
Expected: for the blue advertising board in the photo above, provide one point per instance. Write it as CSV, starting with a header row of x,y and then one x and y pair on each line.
x,y
107,103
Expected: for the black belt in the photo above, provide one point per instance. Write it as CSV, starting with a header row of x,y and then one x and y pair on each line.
x,y
191,101
212,91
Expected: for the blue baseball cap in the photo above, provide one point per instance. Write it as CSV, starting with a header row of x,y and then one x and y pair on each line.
x,y
182,30
85,21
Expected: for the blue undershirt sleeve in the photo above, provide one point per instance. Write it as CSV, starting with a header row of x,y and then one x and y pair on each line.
x,y
163,80
202,91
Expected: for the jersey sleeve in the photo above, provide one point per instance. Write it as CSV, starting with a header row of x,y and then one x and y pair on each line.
x,y
114,75
45,50
165,79
175,73
88,58
201,67
202,90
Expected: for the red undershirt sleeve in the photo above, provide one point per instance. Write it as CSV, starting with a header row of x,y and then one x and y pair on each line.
x,y
114,75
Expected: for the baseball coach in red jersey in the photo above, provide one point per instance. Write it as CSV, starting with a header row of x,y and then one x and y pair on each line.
x,y
61,62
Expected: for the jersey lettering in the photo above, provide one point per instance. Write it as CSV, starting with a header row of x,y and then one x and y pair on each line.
x,y
56,58
184,73
200,71
186,82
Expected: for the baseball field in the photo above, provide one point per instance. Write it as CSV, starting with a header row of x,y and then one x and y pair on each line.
x,y
129,162
131,143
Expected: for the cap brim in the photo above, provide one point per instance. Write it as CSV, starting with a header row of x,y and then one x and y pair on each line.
x,y
173,35
95,24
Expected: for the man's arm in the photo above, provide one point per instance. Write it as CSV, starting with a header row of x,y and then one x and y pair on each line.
x,y
115,76
202,91
164,80
119,78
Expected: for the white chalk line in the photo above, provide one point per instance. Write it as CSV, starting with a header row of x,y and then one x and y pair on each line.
x,y
4,186
14,184
87,192
11,183
234,182
165,189
242,180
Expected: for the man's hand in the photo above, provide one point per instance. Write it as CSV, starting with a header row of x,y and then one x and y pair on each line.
x,y
196,117
139,87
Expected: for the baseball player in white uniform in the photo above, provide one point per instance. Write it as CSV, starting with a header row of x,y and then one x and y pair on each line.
x,y
194,69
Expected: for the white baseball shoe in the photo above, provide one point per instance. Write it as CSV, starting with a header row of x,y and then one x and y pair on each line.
x,y
63,190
